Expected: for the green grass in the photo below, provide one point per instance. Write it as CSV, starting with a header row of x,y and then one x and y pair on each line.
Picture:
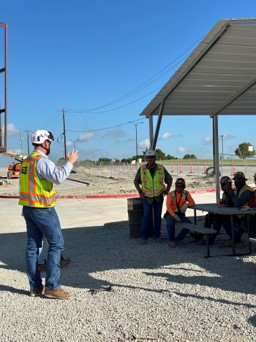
x,y
209,162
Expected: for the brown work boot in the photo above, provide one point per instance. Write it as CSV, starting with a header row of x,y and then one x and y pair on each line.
x,y
58,294
172,244
38,292
64,261
41,267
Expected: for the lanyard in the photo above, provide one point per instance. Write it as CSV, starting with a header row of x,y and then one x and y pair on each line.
x,y
178,203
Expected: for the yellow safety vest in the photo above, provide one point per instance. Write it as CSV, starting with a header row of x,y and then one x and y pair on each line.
x,y
183,197
244,188
35,192
152,187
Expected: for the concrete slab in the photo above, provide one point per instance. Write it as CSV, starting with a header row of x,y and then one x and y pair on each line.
x,y
79,212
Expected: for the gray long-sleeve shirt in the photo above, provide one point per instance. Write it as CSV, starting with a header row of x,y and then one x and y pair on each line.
x,y
46,169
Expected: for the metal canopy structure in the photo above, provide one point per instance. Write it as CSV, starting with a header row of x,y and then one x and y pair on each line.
x,y
218,78
3,91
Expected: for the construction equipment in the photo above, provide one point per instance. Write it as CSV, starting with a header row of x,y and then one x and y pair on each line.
x,y
13,170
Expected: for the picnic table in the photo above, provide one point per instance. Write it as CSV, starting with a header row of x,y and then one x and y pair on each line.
x,y
225,210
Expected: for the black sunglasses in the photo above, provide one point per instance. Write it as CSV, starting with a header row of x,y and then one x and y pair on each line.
x,y
238,180
150,157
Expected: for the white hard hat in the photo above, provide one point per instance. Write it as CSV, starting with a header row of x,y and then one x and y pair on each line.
x,y
150,153
39,136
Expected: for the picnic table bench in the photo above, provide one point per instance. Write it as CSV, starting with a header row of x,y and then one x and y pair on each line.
x,y
198,229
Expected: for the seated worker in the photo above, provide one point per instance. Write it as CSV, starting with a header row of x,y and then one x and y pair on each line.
x,y
239,197
214,220
176,204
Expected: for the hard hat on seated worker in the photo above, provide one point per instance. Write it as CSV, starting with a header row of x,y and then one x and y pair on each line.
x,y
225,180
41,135
181,182
150,153
239,176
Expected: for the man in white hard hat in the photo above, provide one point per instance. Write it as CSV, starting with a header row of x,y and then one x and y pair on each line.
x,y
150,183
38,198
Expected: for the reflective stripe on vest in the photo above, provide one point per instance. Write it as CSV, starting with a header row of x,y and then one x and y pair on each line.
x,y
224,198
183,196
152,187
35,192
244,188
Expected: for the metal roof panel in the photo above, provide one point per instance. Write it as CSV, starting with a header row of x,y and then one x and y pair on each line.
x,y
216,71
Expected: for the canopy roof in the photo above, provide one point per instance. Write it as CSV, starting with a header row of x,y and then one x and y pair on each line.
x,y
219,77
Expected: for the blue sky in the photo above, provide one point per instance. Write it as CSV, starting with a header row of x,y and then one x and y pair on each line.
x,y
103,62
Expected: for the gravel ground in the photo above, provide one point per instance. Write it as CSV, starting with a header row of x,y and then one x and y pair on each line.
x,y
107,180
127,292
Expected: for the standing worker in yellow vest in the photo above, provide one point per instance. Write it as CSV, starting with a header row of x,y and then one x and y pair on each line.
x,y
150,183
38,198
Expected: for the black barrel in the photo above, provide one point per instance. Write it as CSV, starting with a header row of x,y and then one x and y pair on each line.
x,y
135,215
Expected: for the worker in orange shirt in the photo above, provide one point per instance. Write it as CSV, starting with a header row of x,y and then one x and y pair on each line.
x,y
176,204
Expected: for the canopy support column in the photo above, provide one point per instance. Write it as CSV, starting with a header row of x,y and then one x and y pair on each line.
x,y
215,134
158,125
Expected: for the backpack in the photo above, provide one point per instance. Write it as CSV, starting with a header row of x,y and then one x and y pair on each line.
x,y
252,200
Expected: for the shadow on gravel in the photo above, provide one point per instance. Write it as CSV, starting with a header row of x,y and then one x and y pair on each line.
x,y
95,250
13,290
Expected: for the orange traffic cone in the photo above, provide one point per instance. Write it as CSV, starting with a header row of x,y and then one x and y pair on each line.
x,y
234,169
204,168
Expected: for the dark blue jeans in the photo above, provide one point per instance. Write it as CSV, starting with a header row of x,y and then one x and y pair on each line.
x,y
240,226
43,222
152,206
170,226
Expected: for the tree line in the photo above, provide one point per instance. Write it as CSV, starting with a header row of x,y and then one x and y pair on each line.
x,y
243,151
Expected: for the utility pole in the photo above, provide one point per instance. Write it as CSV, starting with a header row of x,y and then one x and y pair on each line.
x,y
4,110
27,131
64,134
74,142
136,138
222,154
21,146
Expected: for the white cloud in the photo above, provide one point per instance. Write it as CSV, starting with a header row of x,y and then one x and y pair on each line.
x,y
86,137
181,149
11,130
69,143
166,135
227,136
144,144
116,133
208,140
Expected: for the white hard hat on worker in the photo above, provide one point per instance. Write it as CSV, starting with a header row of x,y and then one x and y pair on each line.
x,y
150,153
40,136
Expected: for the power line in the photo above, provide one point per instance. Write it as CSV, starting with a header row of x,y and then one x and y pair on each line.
x,y
115,108
142,86
53,123
103,129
